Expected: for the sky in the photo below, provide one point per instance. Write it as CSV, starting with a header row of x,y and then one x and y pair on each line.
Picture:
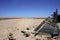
x,y
28,8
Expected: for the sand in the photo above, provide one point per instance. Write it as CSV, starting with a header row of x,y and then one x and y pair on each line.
x,y
15,26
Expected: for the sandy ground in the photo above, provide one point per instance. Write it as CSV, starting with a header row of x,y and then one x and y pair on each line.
x,y
15,26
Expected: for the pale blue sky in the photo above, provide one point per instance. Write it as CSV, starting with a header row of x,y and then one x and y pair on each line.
x,y
28,8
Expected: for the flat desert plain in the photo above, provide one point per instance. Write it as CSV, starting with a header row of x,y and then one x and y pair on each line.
x,y
15,26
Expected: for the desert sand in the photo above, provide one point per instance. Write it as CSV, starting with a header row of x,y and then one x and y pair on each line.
x,y
15,26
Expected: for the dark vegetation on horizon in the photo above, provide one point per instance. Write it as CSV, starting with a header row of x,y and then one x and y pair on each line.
x,y
7,18
22,18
